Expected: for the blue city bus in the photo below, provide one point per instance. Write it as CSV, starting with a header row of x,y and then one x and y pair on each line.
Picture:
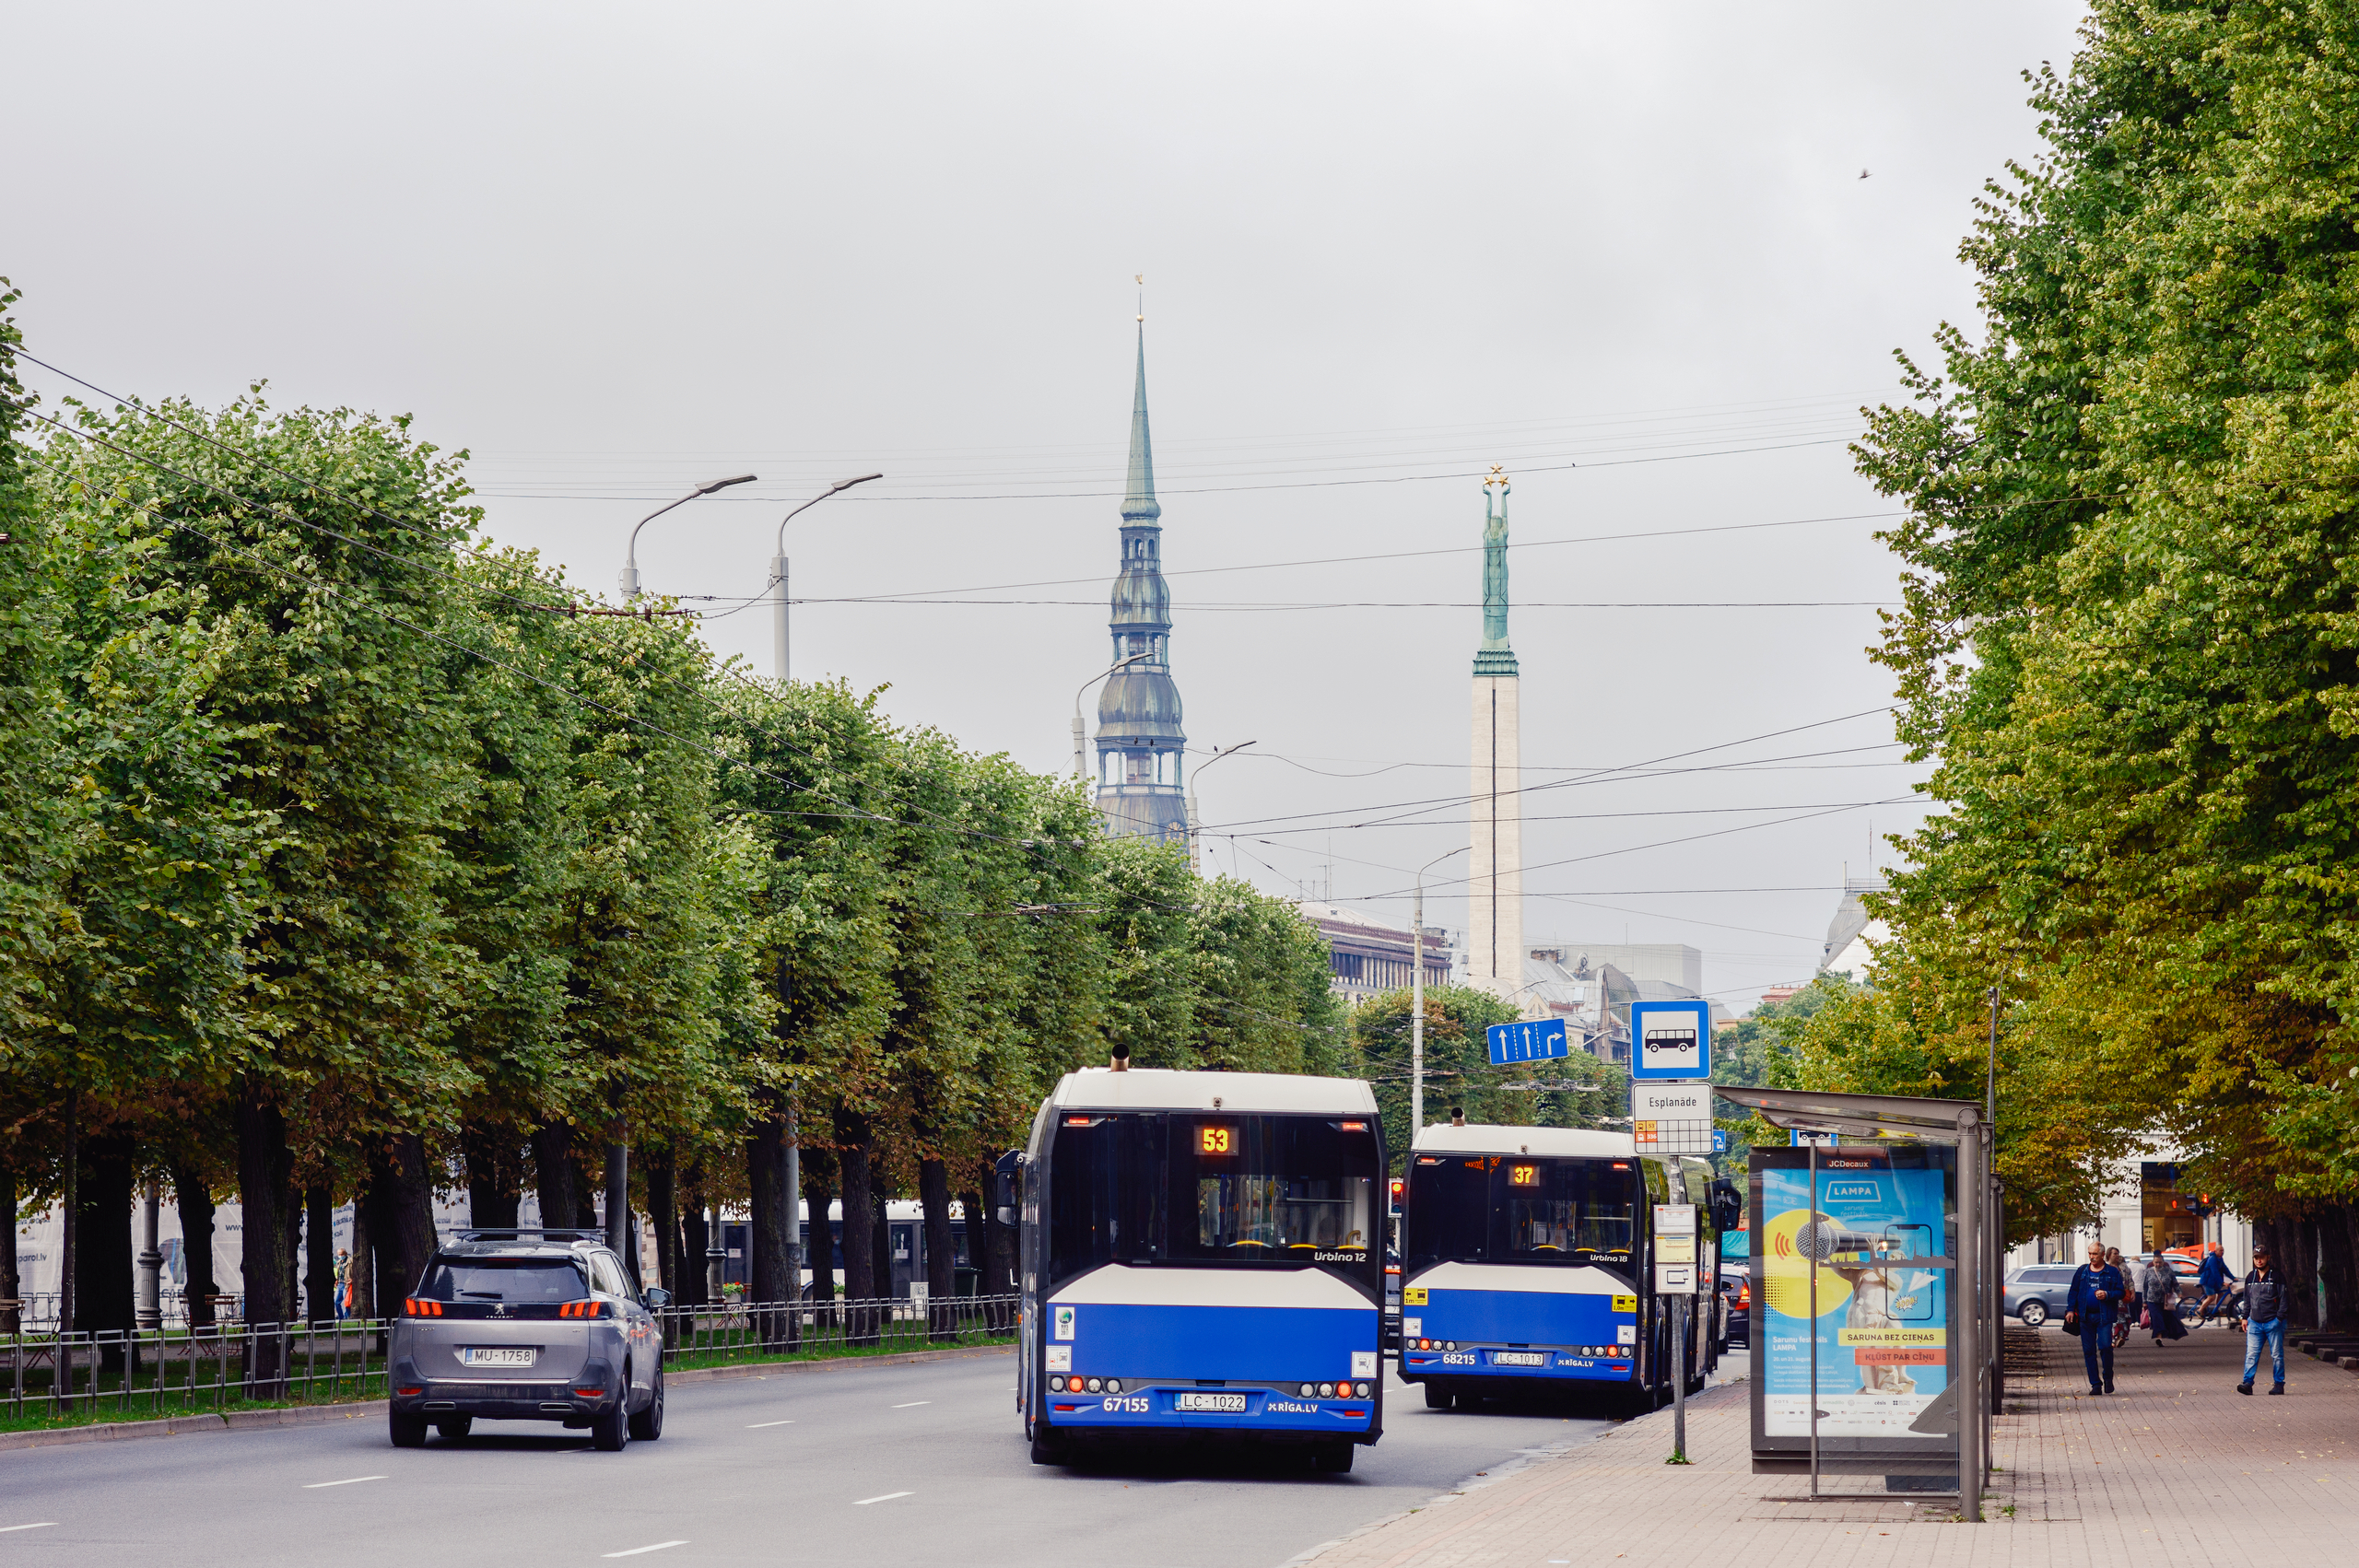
x,y
1527,1263
1203,1258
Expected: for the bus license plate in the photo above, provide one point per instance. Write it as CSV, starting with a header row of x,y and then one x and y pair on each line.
x,y
1519,1358
497,1355
1231,1404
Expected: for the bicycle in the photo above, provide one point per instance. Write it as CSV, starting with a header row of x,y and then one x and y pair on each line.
x,y
2228,1305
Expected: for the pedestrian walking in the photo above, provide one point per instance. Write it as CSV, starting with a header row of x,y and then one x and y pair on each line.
x,y
2159,1290
2091,1308
2213,1278
2129,1298
2267,1299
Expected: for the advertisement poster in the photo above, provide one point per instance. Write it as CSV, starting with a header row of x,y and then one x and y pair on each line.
x,y
1883,1326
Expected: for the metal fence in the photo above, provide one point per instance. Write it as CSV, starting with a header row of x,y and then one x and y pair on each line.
x,y
139,1374
703,1335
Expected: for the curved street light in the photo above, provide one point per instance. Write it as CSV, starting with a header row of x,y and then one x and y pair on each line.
x,y
630,554
778,564
1081,770
1195,858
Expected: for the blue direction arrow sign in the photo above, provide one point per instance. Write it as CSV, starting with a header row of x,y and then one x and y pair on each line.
x,y
1720,1141
1534,1041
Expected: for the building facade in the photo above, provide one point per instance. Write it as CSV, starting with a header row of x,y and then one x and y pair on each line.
x,y
1141,743
1494,954
1368,957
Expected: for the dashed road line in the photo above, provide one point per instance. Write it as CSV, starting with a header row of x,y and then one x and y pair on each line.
x,y
886,1498
759,1424
44,1524
913,1404
348,1480
637,1551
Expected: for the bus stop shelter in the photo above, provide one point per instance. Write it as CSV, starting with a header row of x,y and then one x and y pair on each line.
x,y
1978,1239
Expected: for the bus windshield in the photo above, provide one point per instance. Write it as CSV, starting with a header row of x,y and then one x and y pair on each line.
x,y
1212,1189
1509,1209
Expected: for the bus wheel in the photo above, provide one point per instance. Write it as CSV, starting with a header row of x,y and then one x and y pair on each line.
x,y
1335,1459
1047,1446
1437,1396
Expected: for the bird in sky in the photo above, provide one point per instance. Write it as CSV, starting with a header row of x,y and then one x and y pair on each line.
x,y
1864,174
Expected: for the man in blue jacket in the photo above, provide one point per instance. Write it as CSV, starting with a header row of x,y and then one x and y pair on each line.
x,y
2213,1279
2095,1301
2267,1299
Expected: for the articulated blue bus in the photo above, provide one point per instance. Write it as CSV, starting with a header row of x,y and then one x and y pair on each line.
x,y
1527,1260
1202,1256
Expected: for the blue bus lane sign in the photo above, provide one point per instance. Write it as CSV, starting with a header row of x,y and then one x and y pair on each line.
x,y
1530,1040
1671,1039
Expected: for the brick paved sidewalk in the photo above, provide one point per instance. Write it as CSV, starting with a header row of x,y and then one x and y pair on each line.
x,y
2175,1459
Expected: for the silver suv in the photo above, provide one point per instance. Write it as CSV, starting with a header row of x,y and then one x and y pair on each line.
x,y
527,1325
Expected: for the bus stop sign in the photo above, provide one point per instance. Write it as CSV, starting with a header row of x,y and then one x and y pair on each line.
x,y
1671,1039
1537,1040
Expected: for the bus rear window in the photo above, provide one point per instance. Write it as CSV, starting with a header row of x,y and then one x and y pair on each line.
x,y
1521,1211
1291,1189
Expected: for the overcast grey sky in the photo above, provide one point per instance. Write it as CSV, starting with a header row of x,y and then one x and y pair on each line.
x,y
1624,251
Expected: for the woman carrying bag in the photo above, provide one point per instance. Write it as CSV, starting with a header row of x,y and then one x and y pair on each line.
x,y
2160,1289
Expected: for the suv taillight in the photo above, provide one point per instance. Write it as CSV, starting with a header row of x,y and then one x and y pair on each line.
x,y
417,1306
582,1309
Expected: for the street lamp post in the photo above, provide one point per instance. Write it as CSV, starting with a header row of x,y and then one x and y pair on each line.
x,y
1195,858
778,581
1080,767
631,556
1417,998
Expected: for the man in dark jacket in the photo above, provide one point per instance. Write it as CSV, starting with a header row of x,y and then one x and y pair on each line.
x,y
2267,1300
2213,1279
2095,1300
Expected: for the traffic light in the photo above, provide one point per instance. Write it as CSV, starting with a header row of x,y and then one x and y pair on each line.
x,y
1399,1191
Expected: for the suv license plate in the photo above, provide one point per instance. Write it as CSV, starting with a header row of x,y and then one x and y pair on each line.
x,y
1233,1404
497,1355
1519,1358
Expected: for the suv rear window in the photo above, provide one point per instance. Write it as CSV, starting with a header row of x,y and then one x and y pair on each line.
x,y
504,1279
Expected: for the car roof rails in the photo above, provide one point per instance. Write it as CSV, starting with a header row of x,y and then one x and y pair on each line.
x,y
521,1233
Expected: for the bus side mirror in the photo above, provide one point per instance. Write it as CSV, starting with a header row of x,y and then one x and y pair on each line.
x,y
1004,1176
1728,1205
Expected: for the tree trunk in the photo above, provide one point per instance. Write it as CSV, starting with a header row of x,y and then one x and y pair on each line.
x,y
860,1253
941,1289
414,1208
360,1273
71,1202
663,1214
818,1195
193,1195
263,1198
765,1278
617,1189
103,1297
319,1220
552,1175
381,1208
495,1174
695,1238
11,1318
291,1288
880,1233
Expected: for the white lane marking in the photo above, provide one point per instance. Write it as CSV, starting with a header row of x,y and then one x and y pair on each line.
x,y
913,1404
635,1551
759,1424
348,1480
886,1498
44,1524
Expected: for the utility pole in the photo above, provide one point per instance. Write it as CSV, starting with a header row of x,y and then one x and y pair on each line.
x,y
1195,859
1417,998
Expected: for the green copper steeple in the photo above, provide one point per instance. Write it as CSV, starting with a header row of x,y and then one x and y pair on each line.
x,y
1495,656
1139,504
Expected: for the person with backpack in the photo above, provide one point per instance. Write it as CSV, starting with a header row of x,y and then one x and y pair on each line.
x,y
2267,1300
2090,1308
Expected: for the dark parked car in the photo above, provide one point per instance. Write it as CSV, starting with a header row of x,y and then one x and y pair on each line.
x,y
1736,1298
527,1325
2036,1291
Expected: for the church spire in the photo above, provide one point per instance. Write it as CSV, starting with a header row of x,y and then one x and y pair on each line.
x,y
1139,504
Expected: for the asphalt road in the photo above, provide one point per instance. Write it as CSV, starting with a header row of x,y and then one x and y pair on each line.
x,y
923,1465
